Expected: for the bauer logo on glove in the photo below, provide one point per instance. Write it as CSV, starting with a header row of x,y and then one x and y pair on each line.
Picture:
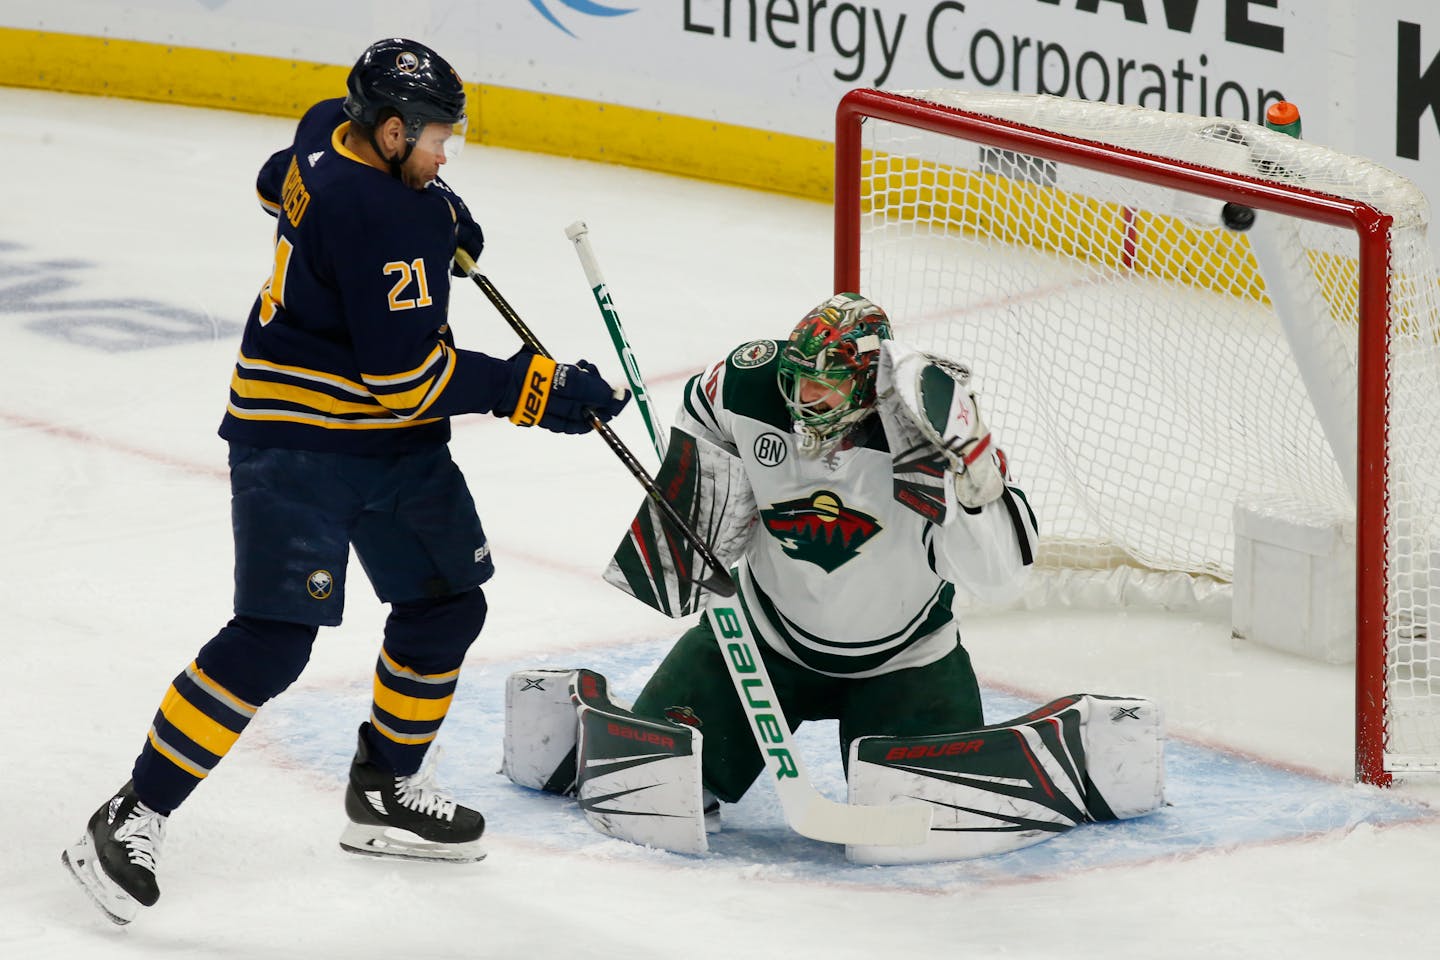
x,y
562,397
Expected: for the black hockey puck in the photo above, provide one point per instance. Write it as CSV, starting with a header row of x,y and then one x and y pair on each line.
x,y
1237,217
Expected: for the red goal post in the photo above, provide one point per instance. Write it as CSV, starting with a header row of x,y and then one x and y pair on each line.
x,y
1077,254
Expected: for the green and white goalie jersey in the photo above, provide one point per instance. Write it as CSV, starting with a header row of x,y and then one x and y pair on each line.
x,y
833,572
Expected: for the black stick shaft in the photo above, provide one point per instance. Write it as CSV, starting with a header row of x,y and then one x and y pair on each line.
x,y
718,581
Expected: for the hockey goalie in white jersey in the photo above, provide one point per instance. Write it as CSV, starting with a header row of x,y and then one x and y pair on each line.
x,y
855,488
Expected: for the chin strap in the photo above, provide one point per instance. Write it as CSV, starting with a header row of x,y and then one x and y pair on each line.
x,y
393,163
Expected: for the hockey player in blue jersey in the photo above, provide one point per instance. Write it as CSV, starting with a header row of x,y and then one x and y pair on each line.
x,y
338,425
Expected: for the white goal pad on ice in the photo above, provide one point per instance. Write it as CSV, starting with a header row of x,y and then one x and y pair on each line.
x,y
1082,758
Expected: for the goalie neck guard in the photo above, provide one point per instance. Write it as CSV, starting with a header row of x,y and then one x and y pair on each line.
x,y
827,367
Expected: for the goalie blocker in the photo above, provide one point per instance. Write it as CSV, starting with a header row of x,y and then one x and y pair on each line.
x,y
707,486
1081,758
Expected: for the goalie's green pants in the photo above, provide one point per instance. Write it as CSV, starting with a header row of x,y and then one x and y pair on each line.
x,y
693,684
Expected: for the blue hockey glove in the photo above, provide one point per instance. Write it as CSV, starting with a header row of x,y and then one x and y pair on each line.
x,y
469,241
469,238
559,397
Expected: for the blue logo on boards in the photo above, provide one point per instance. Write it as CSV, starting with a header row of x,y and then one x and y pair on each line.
x,y
588,7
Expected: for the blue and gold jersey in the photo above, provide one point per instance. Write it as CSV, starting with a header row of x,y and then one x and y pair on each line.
x,y
347,347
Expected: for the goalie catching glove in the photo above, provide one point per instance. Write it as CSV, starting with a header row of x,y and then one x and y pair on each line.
x,y
942,452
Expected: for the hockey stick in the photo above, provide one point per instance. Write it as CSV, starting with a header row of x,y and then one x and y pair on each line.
x,y
718,580
579,235
806,811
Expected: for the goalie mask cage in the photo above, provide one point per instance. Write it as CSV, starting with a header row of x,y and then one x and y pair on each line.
x,y
1147,362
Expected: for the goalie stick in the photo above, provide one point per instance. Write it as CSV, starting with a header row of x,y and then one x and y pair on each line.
x,y
806,810
718,580
579,235
808,813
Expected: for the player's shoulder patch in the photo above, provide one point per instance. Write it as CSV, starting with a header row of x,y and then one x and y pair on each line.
x,y
756,353
750,388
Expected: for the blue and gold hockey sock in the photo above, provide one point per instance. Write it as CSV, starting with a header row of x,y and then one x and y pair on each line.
x,y
407,711
249,661
197,723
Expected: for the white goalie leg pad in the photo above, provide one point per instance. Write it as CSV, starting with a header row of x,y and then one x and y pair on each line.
x,y
638,778
707,485
943,453
1125,756
541,730
1008,786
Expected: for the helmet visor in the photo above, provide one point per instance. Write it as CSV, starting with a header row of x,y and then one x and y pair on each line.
x,y
443,139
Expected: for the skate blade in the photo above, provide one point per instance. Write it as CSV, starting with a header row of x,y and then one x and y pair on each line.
x,y
116,904
392,844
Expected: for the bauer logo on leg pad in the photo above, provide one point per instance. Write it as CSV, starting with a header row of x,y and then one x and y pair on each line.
x,y
1007,786
638,778
931,751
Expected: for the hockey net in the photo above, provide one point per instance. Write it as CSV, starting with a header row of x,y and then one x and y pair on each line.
x,y
1146,366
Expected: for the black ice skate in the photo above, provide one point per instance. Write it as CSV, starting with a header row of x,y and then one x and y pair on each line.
x,y
406,817
114,862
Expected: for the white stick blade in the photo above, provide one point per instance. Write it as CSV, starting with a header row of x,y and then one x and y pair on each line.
x,y
897,825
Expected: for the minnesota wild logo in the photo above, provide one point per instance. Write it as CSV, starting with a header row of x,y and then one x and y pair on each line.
x,y
820,529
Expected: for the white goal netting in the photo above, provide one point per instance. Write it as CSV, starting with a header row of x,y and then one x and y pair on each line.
x,y
1145,367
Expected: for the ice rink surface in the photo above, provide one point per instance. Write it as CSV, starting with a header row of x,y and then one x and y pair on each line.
x,y
131,246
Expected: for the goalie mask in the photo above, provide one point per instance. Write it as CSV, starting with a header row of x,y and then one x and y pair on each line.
x,y
827,367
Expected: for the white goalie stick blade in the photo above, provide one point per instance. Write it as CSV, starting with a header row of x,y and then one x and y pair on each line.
x,y
992,791
806,811
84,865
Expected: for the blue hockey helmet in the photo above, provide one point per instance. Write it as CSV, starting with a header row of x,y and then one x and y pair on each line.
x,y
405,78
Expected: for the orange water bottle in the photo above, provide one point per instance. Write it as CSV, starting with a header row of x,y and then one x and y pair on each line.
x,y
1284,117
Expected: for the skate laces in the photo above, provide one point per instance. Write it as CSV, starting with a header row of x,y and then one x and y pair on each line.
x,y
418,791
142,833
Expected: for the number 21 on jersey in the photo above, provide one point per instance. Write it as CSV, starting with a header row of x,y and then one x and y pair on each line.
x,y
411,288
409,274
